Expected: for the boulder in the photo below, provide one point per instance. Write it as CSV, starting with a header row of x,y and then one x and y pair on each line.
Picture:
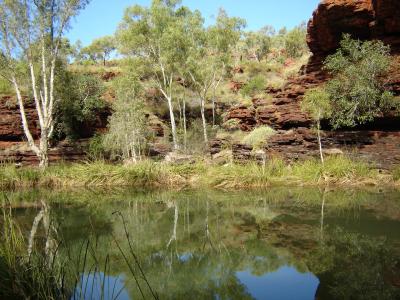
x,y
179,158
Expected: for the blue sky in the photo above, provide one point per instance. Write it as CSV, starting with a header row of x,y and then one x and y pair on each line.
x,y
102,17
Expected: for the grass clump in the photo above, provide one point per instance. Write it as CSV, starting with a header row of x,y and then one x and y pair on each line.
x,y
147,174
254,86
23,275
337,169
258,137
396,174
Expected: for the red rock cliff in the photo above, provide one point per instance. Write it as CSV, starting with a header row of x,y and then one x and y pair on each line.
x,y
363,19
379,142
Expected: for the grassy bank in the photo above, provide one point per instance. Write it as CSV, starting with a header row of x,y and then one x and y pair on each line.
x,y
337,170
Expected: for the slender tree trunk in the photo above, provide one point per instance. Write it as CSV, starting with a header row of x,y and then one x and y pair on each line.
x,y
25,126
176,215
44,153
322,214
173,124
319,142
203,117
184,123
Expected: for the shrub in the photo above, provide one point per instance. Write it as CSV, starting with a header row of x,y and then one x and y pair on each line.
x,y
96,150
127,129
5,87
295,42
81,101
396,174
255,85
357,91
258,137
231,124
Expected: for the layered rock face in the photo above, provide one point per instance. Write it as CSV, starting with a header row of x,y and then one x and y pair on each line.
x,y
363,19
10,121
13,146
378,142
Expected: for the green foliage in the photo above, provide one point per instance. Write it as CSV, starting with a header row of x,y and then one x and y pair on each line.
x,y
357,91
336,170
373,260
258,44
231,124
127,131
5,87
396,174
258,137
100,49
255,85
225,34
96,149
295,41
316,103
26,276
80,101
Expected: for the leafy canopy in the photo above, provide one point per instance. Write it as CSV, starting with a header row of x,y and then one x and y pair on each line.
x,y
100,49
155,34
316,103
127,131
357,90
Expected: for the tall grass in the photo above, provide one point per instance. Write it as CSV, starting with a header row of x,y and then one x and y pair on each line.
x,y
38,274
337,170
26,276
259,136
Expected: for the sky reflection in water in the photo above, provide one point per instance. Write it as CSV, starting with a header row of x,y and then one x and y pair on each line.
x,y
276,244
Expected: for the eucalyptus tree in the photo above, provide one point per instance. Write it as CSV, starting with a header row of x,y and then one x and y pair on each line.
x,y
127,131
154,36
257,44
100,49
31,34
210,53
316,103
295,41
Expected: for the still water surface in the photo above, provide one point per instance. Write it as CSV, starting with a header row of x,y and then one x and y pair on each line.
x,y
283,243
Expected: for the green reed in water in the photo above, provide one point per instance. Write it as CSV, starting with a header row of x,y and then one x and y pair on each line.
x,y
336,170
30,271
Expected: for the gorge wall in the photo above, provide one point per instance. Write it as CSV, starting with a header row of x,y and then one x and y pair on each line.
x,y
13,147
378,142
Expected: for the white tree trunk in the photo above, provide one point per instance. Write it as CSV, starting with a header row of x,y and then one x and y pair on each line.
x,y
176,215
173,124
25,126
322,214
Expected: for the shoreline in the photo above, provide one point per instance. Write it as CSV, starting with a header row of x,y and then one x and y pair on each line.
x,y
336,172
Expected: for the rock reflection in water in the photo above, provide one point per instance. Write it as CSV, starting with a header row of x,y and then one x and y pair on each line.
x,y
311,243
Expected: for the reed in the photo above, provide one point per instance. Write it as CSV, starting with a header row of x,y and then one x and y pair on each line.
x,y
148,174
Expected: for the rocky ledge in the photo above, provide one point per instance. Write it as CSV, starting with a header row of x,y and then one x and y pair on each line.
x,y
378,142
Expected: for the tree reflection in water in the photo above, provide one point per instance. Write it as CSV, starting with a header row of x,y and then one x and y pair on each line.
x,y
218,245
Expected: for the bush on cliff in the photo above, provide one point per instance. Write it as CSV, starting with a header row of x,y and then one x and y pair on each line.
x,y
259,136
80,103
357,91
254,86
